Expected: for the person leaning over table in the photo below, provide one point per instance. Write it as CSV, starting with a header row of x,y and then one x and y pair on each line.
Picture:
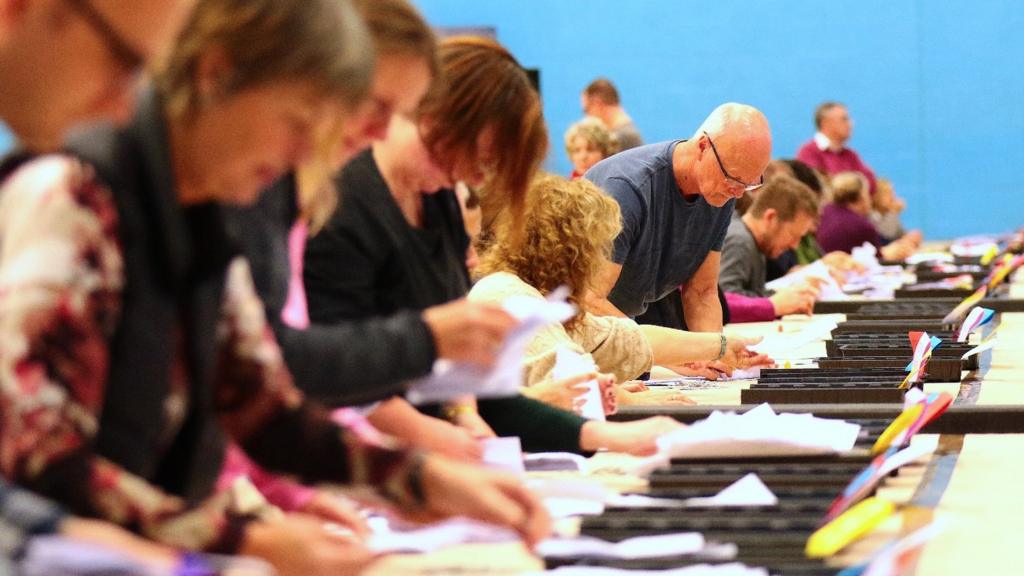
x,y
61,64
399,242
566,239
333,363
142,341
676,200
782,213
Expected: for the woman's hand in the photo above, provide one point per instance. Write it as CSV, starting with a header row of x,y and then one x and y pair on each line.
x,y
638,437
300,546
467,331
339,511
453,488
565,393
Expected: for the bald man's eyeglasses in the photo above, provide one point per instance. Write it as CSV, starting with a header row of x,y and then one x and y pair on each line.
x,y
730,177
127,57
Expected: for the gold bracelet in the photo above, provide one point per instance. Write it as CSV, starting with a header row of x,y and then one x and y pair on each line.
x,y
452,413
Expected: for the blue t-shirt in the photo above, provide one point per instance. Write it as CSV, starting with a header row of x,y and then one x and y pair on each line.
x,y
664,237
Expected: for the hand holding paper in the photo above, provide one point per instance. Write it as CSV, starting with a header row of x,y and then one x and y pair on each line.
x,y
450,379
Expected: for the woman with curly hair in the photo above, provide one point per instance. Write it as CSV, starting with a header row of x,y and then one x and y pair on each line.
x,y
588,142
568,235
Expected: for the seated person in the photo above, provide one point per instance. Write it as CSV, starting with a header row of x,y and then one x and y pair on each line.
x,y
885,213
845,223
779,217
588,142
551,255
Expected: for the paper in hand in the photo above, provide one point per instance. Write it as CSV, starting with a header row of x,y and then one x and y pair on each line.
x,y
450,380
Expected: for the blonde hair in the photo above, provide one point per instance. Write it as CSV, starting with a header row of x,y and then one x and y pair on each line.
x,y
323,42
565,239
595,133
847,188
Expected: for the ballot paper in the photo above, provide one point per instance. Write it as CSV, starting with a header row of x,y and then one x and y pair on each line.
x,y
930,258
504,454
866,255
555,462
629,549
453,532
733,569
747,491
758,432
449,379
568,364
786,344
828,290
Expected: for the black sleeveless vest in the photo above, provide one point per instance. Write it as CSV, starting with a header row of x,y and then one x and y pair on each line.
x,y
175,262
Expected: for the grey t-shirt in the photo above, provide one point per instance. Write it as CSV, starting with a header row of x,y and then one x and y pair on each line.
x,y
628,136
665,237
743,265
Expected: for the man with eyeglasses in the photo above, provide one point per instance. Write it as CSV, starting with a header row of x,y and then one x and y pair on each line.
x,y
677,199
62,63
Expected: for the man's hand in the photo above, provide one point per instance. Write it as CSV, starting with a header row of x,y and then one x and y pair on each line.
x,y
793,301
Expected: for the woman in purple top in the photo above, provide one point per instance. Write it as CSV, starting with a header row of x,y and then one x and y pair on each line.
x,y
845,224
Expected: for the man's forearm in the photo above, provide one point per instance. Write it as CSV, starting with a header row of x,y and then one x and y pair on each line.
x,y
702,310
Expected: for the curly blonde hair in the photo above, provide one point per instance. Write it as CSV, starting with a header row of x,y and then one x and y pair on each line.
x,y
595,133
566,236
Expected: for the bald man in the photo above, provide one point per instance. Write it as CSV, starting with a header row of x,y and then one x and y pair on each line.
x,y
677,199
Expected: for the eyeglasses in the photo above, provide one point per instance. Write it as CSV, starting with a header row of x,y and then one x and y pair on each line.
x,y
128,58
730,177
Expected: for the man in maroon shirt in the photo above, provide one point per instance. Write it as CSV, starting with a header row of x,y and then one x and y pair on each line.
x,y
827,151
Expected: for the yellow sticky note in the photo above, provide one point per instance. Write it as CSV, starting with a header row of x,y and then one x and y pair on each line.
x,y
901,423
849,526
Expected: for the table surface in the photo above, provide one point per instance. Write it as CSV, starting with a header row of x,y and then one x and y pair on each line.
x,y
972,490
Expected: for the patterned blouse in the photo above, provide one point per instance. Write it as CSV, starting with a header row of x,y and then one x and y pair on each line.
x,y
61,277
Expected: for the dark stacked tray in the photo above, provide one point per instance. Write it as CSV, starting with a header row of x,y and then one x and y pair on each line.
x,y
826,386
905,309
927,274
945,364
896,325
773,537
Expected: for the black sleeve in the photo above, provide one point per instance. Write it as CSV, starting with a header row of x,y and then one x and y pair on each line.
x,y
358,362
541,427
344,364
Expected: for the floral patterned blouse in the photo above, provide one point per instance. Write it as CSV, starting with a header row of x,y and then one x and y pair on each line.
x,y
61,277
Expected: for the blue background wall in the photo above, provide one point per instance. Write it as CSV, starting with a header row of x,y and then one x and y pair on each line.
x,y
935,88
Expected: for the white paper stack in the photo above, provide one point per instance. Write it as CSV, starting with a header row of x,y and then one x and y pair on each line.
x,y
759,432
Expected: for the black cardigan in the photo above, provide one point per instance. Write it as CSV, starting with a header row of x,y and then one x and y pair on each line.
x,y
368,261
332,362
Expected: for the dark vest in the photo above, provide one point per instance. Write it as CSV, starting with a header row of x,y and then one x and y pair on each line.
x,y
175,260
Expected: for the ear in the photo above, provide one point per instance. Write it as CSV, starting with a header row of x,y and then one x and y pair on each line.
x,y
770,216
213,74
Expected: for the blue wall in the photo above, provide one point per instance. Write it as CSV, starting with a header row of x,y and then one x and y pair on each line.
x,y
935,87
